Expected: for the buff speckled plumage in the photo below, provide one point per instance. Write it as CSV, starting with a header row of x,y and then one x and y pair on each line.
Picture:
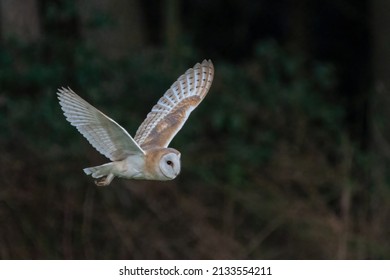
x,y
147,156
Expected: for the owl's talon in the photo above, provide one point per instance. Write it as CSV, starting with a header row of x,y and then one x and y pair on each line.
x,y
101,182
104,181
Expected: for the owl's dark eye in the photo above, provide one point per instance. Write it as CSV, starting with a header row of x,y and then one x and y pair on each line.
x,y
169,162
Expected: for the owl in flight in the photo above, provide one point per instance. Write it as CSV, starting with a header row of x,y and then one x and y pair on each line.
x,y
146,156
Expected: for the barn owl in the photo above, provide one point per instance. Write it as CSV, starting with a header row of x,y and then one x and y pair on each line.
x,y
146,156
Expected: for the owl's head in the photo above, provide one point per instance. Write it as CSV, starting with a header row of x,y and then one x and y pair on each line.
x,y
169,163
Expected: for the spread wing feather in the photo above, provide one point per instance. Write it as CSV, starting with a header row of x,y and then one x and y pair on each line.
x,y
102,132
172,110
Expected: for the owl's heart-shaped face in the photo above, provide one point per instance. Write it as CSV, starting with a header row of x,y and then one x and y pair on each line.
x,y
170,165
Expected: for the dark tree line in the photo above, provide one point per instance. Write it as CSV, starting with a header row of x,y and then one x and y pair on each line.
x,y
287,157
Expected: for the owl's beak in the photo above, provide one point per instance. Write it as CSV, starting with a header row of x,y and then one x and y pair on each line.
x,y
177,172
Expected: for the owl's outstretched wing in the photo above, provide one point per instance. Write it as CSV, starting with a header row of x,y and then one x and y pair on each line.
x,y
102,132
172,110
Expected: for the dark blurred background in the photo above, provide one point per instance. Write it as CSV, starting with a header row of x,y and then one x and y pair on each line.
x,y
288,157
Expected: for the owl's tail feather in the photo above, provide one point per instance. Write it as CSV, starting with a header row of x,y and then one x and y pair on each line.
x,y
100,171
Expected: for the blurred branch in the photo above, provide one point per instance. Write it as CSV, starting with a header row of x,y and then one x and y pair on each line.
x,y
87,222
258,240
345,200
172,26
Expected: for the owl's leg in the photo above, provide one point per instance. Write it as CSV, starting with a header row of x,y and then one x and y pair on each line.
x,y
105,181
